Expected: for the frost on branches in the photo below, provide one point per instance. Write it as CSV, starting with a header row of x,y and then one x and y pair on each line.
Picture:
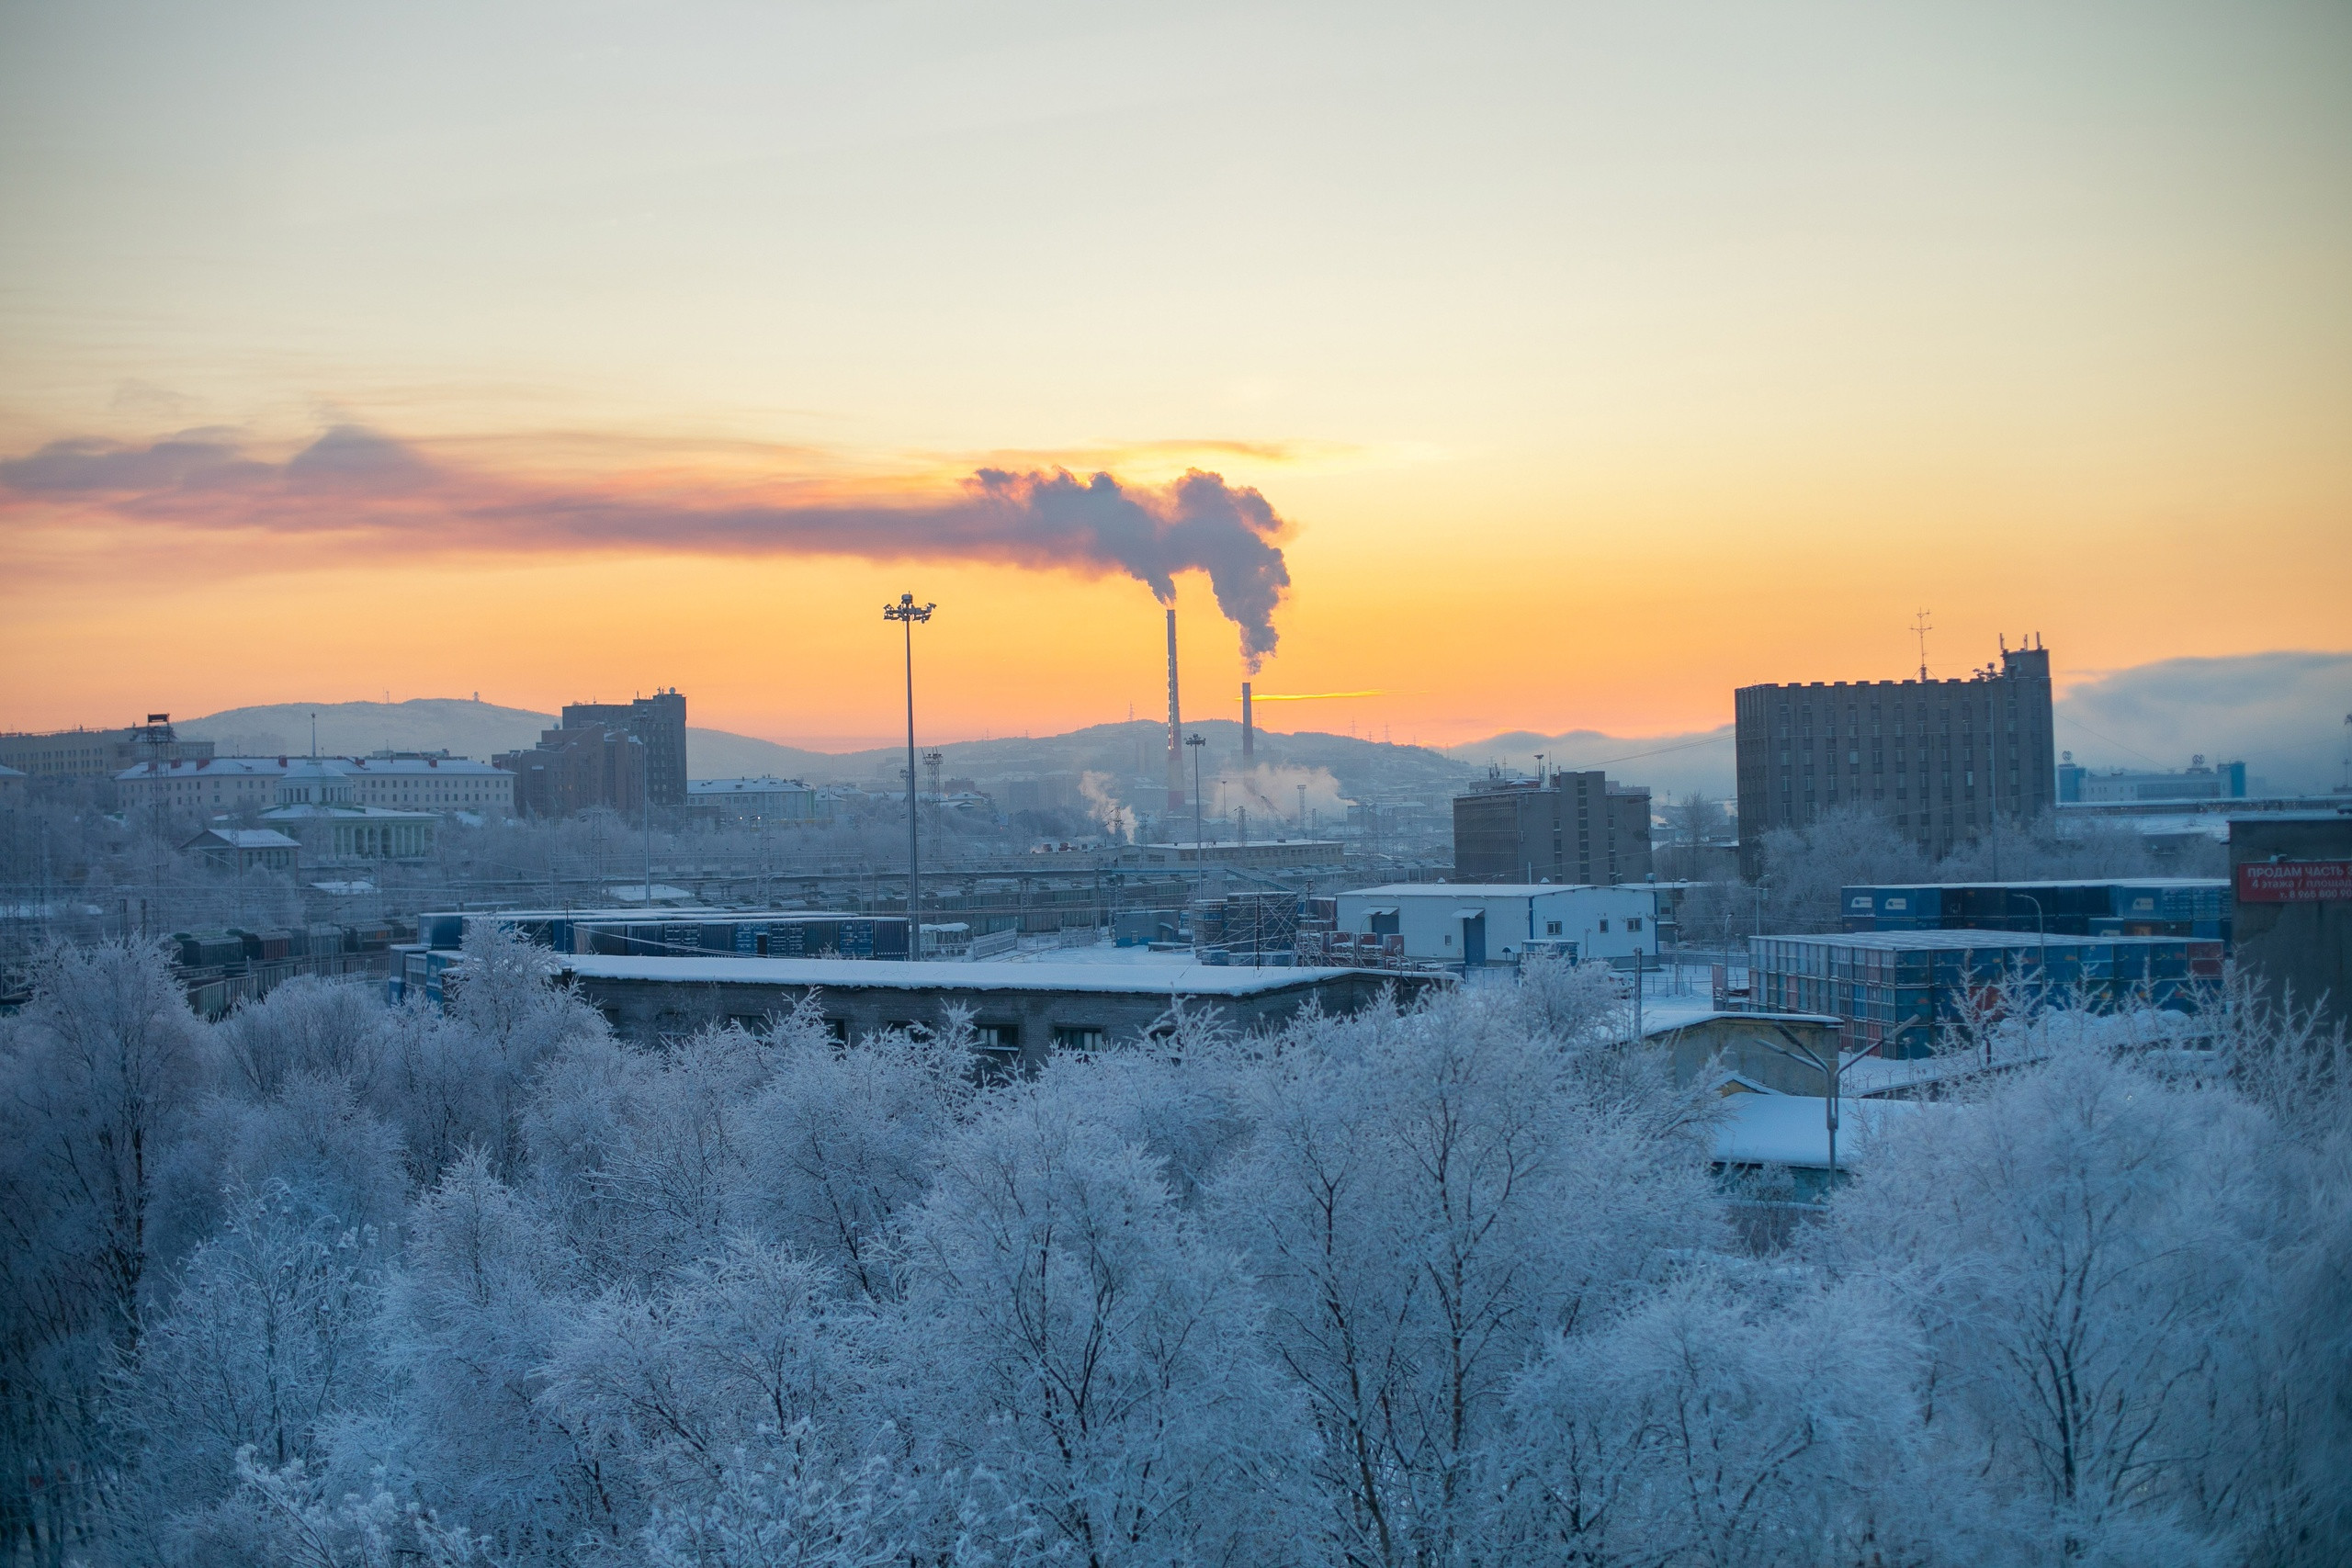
x,y
332,1284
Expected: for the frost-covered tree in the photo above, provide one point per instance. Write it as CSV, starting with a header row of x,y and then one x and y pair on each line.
x,y
1086,1348
267,1341
1428,1199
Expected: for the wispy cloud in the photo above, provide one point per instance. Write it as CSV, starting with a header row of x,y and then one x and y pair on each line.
x,y
355,485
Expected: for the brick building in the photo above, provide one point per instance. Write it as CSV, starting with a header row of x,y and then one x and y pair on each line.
x,y
576,768
1936,758
1565,827
98,753
660,723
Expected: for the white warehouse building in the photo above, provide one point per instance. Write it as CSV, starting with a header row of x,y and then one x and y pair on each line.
x,y
1476,923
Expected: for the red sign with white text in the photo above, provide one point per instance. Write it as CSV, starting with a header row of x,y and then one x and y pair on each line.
x,y
2295,882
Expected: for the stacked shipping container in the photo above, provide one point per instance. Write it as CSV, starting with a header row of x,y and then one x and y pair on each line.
x,y
1896,990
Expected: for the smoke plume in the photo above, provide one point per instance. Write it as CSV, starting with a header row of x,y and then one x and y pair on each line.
x,y
354,485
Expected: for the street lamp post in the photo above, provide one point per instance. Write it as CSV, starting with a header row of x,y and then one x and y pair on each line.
x,y
906,611
2042,968
1196,742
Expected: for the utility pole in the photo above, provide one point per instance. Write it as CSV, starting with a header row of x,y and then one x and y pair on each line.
x,y
906,611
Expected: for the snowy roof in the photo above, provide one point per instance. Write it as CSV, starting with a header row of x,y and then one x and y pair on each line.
x,y
247,838
1493,890
9,773
232,767
420,767
864,975
341,812
1664,1015
1967,938
279,767
1793,1129
744,786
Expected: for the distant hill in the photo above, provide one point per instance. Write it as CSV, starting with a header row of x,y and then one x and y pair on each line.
x,y
1333,767
1699,761
421,723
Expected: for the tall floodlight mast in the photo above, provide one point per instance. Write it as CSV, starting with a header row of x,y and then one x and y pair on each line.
x,y
906,611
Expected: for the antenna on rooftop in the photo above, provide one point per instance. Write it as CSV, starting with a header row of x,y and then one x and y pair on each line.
x,y
1920,625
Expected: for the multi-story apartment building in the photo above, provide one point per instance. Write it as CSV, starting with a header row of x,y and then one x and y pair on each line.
x,y
1938,758
579,767
660,723
1566,827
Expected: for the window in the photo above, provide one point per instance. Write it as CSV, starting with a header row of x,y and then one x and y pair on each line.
x,y
1001,1038
1632,923
1550,927
1077,1037
1448,941
1604,922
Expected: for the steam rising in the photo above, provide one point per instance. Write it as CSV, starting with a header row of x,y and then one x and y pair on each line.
x,y
354,484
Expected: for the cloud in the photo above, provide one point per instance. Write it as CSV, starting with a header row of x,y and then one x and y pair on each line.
x,y
355,482
2283,714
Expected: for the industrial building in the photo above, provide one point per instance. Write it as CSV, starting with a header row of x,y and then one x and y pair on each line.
x,y
1936,758
683,932
1025,1012
2291,908
780,802
1574,828
97,753
659,722
1896,991
2091,786
1475,924
2166,906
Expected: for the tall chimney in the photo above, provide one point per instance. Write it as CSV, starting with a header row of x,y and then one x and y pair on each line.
x,y
1175,726
1249,733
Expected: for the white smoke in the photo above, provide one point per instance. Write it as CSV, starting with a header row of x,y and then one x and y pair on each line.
x,y
1116,820
1270,791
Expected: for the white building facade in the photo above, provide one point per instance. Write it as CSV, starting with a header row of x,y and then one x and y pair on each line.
x,y
1482,923
226,785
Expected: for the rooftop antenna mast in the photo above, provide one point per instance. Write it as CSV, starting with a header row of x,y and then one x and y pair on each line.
x,y
1921,628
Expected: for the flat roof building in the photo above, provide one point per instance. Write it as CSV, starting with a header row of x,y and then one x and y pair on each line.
x,y
1897,991
1570,827
1024,1011
1473,924
659,722
1936,758
2291,887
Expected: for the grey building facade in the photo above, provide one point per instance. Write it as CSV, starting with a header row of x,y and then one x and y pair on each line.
x,y
1938,758
1572,827
2290,879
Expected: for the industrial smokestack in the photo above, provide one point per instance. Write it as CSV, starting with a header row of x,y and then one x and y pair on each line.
x,y
1175,728
1249,732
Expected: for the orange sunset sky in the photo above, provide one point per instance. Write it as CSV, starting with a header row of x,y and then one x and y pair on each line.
x,y
1588,361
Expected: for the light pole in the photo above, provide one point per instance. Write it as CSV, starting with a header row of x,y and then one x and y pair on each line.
x,y
906,611
1196,742
2042,968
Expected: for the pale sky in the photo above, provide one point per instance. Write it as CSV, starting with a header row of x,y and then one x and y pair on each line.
x,y
1595,359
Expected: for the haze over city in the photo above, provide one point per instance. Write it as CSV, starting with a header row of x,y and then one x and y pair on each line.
x,y
1593,362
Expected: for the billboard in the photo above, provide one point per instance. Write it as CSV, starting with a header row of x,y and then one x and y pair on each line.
x,y
2295,882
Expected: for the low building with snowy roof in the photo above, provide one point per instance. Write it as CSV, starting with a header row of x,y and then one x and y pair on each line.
x,y
246,848
1024,1011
